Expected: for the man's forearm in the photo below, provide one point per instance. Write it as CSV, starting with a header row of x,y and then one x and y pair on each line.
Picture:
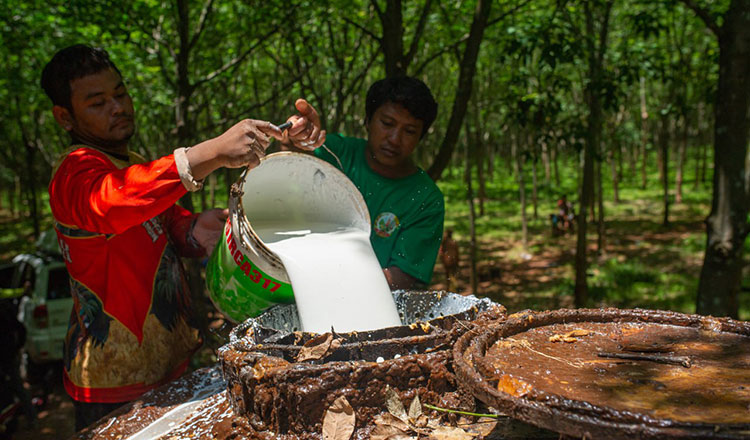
x,y
398,279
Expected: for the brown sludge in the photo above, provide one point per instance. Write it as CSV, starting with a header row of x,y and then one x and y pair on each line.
x,y
630,372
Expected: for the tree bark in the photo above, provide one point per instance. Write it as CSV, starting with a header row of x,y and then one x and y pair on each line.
x,y
600,230
463,90
472,220
534,185
393,39
644,134
681,152
545,162
664,132
615,175
596,43
518,161
726,225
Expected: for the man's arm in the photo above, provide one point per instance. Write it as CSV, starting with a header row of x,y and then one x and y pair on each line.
x,y
398,279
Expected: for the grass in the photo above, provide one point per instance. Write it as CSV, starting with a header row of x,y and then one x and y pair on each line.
x,y
644,263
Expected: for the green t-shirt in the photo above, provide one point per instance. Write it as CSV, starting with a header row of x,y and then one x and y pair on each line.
x,y
406,214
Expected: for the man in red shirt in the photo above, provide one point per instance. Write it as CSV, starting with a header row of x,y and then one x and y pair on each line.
x,y
122,234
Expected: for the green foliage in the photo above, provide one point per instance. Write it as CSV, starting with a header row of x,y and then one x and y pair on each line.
x,y
253,59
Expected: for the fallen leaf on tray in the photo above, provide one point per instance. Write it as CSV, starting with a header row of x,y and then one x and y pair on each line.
x,y
569,337
515,387
389,420
389,427
415,409
317,347
450,433
394,405
482,427
338,423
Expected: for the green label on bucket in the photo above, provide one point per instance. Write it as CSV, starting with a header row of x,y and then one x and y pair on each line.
x,y
238,288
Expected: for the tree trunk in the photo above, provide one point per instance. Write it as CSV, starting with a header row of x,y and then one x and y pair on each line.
x,y
472,220
555,165
517,156
615,176
393,39
463,90
545,163
482,191
601,238
681,152
727,227
31,195
644,134
480,157
534,185
696,146
664,148
593,137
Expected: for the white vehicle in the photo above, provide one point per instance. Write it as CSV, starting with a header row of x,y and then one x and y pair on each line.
x,y
45,306
38,282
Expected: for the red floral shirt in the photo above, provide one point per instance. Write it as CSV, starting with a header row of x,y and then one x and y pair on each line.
x,y
120,233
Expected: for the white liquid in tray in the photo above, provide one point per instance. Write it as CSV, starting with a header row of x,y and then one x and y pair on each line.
x,y
335,274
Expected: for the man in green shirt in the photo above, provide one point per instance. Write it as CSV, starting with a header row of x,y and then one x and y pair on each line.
x,y
406,207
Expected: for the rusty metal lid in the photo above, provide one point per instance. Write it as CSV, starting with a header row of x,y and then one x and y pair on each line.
x,y
609,373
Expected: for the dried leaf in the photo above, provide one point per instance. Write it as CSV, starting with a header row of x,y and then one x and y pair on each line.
x,y
415,409
318,347
387,432
338,423
482,427
569,336
433,423
394,405
515,387
388,419
421,421
450,433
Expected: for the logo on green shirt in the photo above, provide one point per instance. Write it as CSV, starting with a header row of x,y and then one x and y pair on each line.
x,y
385,224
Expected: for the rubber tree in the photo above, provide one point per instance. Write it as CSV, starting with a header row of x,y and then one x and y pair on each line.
x,y
596,15
727,223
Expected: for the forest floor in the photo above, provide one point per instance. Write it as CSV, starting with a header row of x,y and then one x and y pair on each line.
x,y
542,278
645,265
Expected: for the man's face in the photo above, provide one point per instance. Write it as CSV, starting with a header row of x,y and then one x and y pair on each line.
x,y
393,135
102,110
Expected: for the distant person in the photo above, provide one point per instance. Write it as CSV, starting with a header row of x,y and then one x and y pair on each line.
x,y
406,207
122,235
565,214
449,257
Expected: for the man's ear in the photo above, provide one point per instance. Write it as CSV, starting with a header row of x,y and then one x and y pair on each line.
x,y
63,117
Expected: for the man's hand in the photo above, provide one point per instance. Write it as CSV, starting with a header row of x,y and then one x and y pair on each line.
x,y
305,133
208,228
242,145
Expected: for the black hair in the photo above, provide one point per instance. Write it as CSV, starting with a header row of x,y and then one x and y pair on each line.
x,y
69,64
410,92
